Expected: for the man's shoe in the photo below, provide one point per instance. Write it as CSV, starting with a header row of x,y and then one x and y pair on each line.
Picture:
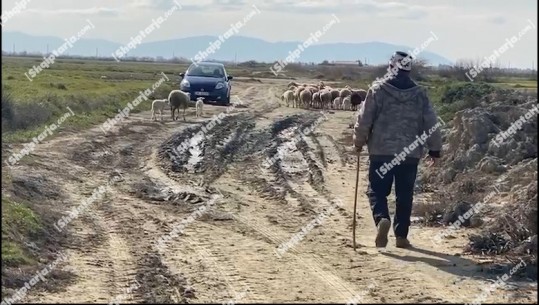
x,y
383,228
403,242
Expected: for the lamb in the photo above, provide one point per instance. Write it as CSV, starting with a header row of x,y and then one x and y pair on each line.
x,y
337,103
158,105
178,99
316,100
287,97
346,103
199,106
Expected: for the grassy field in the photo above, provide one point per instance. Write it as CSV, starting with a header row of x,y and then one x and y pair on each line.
x,y
18,221
79,85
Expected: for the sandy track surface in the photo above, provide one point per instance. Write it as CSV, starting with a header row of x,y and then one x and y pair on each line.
x,y
229,252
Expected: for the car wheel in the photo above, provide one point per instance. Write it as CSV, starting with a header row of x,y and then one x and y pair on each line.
x,y
226,101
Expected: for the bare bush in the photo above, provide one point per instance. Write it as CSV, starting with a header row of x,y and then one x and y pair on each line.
x,y
8,111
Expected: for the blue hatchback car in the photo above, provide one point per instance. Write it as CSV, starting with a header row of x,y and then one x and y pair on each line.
x,y
208,80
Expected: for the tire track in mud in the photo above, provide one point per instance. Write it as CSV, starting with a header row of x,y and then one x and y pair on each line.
x,y
320,269
342,153
222,247
98,255
269,142
287,157
208,148
231,142
120,254
207,151
165,282
261,227
156,283
319,151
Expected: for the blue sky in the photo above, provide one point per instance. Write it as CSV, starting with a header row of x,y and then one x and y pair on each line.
x,y
465,29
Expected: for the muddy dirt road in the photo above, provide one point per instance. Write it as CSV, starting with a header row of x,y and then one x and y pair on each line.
x,y
245,209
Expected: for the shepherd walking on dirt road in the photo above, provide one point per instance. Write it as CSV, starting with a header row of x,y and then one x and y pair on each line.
x,y
396,121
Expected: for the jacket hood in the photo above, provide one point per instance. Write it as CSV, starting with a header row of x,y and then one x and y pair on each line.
x,y
401,94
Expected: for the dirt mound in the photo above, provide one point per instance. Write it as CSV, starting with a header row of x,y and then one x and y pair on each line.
x,y
490,162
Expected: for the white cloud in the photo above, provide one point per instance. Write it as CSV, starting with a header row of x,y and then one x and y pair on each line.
x,y
484,18
94,11
358,7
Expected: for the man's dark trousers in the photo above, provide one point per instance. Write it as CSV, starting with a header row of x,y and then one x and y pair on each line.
x,y
379,188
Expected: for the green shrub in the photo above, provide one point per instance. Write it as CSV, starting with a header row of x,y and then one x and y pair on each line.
x,y
451,98
465,91
18,222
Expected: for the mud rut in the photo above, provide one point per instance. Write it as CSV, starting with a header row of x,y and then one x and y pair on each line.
x,y
229,252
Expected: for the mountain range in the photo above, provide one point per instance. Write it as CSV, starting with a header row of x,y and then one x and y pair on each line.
x,y
239,48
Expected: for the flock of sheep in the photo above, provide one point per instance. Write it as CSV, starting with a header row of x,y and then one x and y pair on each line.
x,y
322,96
176,99
301,96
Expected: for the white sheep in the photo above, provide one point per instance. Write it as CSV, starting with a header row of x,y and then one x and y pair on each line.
x,y
305,98
158,105
287,97
337,103
297,94
316,102
178,99
199,106
325,98
347,103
